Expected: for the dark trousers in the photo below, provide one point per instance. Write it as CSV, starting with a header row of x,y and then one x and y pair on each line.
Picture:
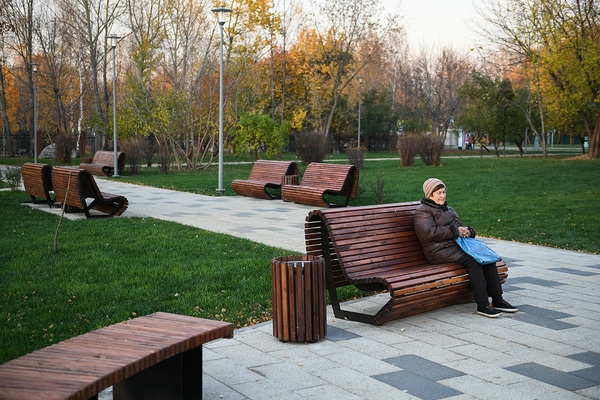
x,y
484,279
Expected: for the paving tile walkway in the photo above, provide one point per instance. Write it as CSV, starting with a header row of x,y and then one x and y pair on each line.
x,y
550,349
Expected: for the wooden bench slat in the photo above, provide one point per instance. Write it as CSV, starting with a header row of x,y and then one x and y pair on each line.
x,y
103,163
374,248
77,189
265,174
81,367
37,180
320,180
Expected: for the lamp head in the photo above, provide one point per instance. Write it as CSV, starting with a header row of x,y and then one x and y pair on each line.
x,y
222,13
113,40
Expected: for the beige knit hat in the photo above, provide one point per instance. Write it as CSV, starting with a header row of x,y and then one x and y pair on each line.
x,y
430,185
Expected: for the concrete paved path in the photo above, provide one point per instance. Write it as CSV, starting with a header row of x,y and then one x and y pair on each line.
x,y
550,349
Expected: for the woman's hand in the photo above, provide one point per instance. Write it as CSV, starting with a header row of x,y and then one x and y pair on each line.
x,y
464,231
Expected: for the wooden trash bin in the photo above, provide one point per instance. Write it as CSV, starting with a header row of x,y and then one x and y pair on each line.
x,y
299,303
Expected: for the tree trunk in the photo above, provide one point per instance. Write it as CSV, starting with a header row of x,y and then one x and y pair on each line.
x,y
8,145
594,142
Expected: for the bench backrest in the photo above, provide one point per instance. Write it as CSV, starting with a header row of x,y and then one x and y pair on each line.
x,y
79,182
37,179
107,158
335,177
357,239
272,171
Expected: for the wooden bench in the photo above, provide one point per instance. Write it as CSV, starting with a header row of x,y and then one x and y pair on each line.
x,y
322,179
265,174
77,190
103,163
158,356
376,248
37,180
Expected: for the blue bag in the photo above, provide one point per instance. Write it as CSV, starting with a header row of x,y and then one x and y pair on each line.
x,y
478,250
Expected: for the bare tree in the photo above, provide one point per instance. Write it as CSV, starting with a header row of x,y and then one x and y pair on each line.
x,y
436,80
91,21
353,35
5,28
185,43
394,59
184,65
20,14
56,45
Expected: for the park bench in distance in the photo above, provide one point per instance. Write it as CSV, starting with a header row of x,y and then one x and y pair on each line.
x,y
376,248
103,163
265,175
158,356
321,179
37,180
83,194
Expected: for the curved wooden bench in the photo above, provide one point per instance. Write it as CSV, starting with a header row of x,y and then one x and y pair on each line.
x,y
103,163
322,179
265,174
78,191
158,356
376,248
37,180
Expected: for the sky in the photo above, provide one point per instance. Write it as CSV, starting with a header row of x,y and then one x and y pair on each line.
x,y
437,23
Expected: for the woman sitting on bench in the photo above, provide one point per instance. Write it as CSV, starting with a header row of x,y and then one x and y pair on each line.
x,y
437,225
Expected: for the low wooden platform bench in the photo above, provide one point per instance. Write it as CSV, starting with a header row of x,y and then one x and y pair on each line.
x,y
266,174
37,180
103,163
376,248
321,180
77,190
158,356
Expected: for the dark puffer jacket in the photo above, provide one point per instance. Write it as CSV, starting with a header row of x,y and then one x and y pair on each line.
x,y
437,228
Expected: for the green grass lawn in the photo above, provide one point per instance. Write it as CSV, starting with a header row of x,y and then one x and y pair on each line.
x,y
531,200
108,270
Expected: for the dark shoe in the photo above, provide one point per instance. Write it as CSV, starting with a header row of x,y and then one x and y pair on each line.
x,y
488,311
505,306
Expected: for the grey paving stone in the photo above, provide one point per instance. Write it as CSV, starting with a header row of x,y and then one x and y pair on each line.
x,y
417,385
572,271
531,280
588,357
552,376
423,367
334,334
544,322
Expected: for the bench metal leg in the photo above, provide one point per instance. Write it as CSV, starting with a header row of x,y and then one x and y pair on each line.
x,y
332,290
177,378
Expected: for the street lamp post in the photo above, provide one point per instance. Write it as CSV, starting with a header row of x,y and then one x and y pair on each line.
x,y
359,106
35,114
222,13
113,43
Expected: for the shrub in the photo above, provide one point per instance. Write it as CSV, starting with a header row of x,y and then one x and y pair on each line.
x,y
12,175
148,150
312,146
377,187
134,152
63,148
431,148
356,156
408,147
